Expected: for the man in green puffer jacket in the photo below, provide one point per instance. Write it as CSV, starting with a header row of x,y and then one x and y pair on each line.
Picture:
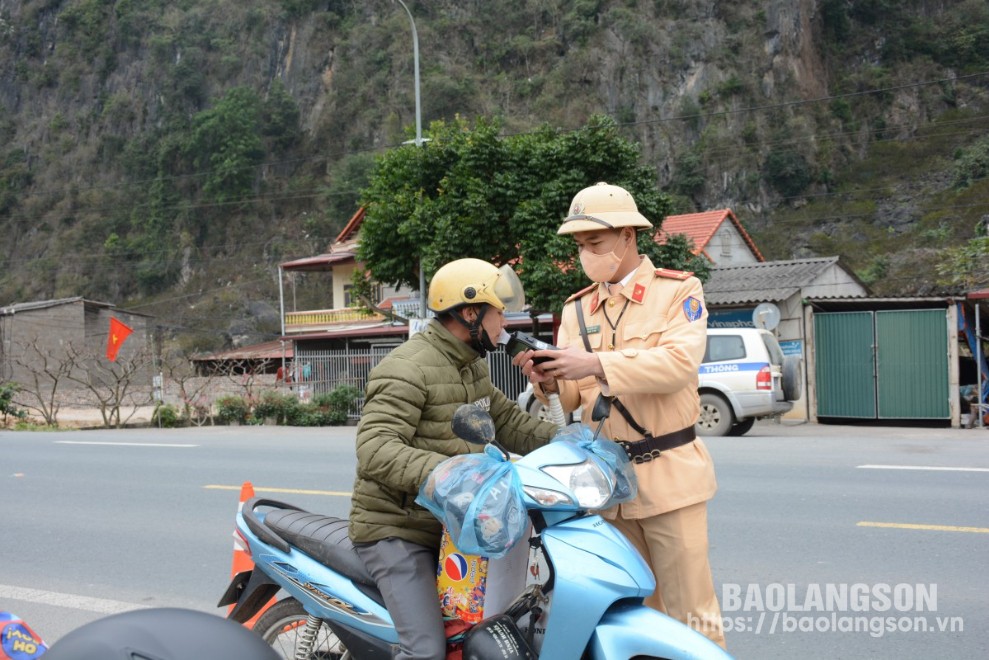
x,y
405,432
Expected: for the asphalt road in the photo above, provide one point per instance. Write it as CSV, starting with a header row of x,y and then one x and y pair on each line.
x,y
103,521
800,508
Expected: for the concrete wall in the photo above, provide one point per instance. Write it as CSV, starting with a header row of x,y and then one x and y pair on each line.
x,y
52,330
37,340
342,277
834,282
728,248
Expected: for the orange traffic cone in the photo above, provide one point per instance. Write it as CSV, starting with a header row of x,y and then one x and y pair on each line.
x,y
242,558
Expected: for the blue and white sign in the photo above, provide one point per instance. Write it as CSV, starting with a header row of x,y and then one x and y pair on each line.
x,y
732,318
792,347
731,367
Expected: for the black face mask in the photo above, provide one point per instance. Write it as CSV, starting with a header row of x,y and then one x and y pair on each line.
x,y
479,339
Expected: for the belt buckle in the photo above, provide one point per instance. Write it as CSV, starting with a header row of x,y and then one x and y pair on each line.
x,y
651,455
639,459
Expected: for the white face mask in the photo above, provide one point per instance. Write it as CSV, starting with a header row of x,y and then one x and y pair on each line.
x,y
601,267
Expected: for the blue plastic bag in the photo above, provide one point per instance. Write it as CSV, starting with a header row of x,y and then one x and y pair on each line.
x,y
611,454
479,499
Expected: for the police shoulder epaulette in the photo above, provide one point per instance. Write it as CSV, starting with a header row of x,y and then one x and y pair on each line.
x,y
673,274
587,289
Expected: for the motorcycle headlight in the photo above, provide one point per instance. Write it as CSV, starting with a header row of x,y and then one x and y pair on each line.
x,y
587,481
546,497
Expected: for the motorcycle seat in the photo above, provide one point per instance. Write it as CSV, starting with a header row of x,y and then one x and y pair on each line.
x,y
324,538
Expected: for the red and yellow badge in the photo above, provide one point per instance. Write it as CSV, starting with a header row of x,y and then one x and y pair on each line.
x,y
692,309
638,292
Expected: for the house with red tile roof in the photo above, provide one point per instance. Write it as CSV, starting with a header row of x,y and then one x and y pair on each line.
x,y
716,235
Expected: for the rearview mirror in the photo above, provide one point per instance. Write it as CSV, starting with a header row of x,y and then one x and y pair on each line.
x,y
473,424
601,409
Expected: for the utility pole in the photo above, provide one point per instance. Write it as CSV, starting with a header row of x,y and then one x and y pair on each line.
x,y
418,143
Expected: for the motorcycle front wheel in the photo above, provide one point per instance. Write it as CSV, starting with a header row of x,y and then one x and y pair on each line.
x,y
282,625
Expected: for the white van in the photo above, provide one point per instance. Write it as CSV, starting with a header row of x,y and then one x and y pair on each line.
x,y
744,376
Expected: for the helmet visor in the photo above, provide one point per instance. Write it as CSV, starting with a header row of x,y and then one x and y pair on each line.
x,y
508,288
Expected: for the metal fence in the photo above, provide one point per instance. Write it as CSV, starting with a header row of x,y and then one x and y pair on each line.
x,y
315,372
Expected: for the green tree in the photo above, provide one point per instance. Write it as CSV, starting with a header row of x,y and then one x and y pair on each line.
x,y
7,406
787,171
966,267
471,193
688,175
677,252
972,163
225,143
280,118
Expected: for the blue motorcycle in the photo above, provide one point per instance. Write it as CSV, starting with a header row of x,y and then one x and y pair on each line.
x,y
589,605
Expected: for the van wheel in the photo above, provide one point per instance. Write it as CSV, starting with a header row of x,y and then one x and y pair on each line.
x,y
716,417
792,385
742,427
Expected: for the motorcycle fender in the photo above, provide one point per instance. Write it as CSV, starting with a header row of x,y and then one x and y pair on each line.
x,y
628,631
250,590
237,585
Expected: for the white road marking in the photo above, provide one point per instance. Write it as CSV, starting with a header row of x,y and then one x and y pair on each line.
x,y
922,467
121,444
933,528
293,491
87,603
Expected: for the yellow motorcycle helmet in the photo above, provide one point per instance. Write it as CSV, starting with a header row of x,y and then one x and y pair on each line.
x,y
602,206
472,282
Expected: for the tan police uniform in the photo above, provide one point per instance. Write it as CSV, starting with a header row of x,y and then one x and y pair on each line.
x,y
650,338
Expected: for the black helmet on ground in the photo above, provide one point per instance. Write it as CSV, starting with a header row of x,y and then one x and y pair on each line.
x,y
160,634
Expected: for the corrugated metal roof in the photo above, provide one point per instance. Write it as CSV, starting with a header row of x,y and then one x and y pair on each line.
x,y
45,304
41,304
319,262
766,281
269,350
905,302
353,226
342,250
356,330
513,321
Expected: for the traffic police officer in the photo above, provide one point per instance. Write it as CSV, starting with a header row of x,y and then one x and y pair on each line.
x,y
637,336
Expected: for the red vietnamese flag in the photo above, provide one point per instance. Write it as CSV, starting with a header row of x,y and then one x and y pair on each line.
x,y
118,335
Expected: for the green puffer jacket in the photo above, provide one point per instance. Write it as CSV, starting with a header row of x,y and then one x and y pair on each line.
x,y
405,432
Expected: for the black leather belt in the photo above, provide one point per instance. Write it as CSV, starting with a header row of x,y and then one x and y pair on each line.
x,y
649,448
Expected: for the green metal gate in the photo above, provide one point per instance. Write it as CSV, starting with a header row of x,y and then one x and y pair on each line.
x,y
882,365
913,364
846,369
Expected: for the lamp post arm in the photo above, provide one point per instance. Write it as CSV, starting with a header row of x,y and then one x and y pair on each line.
x,y
415,64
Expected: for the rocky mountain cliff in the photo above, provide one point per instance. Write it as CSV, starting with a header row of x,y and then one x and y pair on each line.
x,y
165,156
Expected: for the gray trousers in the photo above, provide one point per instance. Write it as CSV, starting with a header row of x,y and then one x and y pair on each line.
x,y
406,577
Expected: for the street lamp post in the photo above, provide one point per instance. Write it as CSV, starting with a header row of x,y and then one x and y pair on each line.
x,y
418,142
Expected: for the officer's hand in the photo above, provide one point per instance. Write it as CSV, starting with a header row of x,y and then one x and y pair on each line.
x,y
530,369
571,363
